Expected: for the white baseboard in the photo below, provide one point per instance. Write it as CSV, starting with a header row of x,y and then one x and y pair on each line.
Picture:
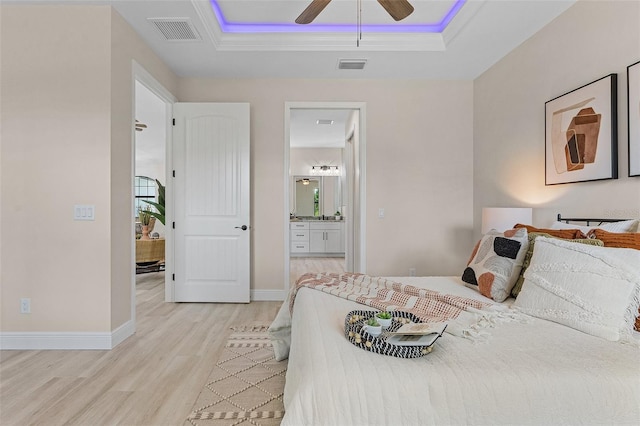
x,y
123,332
267,295
65,340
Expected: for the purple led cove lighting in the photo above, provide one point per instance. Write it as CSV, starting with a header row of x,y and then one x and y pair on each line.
x,y
235,27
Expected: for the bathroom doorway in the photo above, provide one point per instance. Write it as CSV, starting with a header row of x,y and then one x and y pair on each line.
x,y
324,183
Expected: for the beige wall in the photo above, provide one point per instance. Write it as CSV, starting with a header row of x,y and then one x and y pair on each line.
x,y
66,139
590,40
419,168
125,48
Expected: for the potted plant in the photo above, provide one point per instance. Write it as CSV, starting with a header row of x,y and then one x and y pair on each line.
x,y
159,214
145,216
384,318
373,327
338,215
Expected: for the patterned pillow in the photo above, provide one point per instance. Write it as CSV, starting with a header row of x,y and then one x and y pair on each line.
x,y
496,262
592,289
567,234
527,257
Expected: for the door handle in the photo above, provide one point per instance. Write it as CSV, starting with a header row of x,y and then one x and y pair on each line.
x,y
243,227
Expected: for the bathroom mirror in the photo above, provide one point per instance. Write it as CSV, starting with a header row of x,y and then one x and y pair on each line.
x,y
307,196
314,196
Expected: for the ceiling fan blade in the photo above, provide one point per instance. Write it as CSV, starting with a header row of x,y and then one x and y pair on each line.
x,y
312,11
398,9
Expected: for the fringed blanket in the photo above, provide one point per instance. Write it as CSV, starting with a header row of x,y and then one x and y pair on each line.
x,y
387,295
465,316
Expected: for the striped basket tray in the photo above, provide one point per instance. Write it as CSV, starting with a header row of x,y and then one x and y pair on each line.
x,y
353,331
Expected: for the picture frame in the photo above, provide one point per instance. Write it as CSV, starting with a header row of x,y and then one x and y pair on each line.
x,y
633,117
581,136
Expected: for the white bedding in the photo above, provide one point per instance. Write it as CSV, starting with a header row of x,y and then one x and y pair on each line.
x,y
537,372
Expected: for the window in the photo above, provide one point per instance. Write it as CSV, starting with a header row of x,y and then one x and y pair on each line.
x,y
145,189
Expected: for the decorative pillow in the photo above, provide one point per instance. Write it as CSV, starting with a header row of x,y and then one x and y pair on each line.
x,y
592,289
615,239
496,262
620,226
527,257
567,234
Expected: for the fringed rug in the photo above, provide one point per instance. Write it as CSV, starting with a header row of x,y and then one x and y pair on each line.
x,y
246,384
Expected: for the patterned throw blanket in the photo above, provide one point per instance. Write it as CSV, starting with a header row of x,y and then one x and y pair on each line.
x,y
384,294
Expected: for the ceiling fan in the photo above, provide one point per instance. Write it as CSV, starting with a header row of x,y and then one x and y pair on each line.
x,y
398,9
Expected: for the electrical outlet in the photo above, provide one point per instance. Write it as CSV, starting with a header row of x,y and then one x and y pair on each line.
x,y
412,272
25,305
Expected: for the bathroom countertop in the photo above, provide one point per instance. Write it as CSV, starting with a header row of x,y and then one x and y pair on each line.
x,y
298,219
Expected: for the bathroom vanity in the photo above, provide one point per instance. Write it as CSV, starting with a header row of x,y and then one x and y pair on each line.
x,y
316,237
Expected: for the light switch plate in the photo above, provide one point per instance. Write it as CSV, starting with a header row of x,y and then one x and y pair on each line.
x,y
84,212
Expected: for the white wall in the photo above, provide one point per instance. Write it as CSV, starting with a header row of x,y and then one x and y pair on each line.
x,y
419,168
590,40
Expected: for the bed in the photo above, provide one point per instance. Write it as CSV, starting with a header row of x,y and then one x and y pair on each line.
x,y
519,369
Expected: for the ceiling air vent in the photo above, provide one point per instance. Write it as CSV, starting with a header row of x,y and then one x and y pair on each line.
x,y
176,29
351,64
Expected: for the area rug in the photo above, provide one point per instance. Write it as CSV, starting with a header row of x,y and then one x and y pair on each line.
x,y
246,384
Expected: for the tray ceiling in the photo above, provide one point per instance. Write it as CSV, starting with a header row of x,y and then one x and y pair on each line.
x,y
441,39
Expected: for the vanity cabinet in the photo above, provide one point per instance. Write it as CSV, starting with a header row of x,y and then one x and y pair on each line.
x,y
299,235
325,237
316,237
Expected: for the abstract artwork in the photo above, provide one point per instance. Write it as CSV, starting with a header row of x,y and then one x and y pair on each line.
x,y
581,137
633,109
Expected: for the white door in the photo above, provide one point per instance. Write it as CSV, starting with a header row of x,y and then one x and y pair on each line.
x,y
211,202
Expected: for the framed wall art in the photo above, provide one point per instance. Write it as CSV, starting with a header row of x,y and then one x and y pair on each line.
x,y
633,110
581,138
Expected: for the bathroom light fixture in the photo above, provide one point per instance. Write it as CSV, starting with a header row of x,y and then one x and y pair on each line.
x,y
325,170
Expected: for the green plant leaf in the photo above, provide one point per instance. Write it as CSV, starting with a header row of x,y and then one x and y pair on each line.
x,y
160,205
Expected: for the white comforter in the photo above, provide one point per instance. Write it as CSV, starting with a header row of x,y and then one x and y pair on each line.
x,y
537,372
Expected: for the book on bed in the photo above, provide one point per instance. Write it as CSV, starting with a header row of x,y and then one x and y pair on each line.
x,y
417,334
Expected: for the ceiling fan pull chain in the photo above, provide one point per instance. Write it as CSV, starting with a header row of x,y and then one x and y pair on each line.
x,y
359,23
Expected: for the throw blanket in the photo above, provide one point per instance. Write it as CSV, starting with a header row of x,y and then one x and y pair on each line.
x,y
465,316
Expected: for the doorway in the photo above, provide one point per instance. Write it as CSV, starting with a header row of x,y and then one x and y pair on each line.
x,y
152,107
352,171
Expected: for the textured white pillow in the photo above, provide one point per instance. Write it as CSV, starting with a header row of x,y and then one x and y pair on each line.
x,y
622,226
592,289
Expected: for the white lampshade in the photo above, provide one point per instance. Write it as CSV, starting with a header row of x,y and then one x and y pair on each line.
x,y
503,218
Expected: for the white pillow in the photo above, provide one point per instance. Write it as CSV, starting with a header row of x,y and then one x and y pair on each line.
x,y
622,226
592,289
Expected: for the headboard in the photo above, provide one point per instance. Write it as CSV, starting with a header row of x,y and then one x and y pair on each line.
x,y
587,220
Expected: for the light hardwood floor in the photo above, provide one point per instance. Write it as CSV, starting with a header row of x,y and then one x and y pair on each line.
x,y
152,378
301,265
